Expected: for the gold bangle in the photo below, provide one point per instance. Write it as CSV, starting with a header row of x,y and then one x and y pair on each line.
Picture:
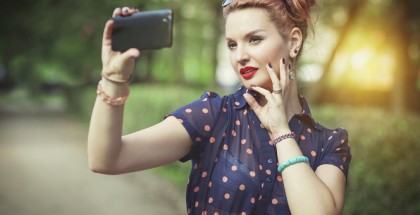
x,y
108,99
116,80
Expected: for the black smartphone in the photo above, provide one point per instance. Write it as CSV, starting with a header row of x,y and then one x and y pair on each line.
x,y
145,30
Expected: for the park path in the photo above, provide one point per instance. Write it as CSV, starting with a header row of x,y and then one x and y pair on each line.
x,y
44,171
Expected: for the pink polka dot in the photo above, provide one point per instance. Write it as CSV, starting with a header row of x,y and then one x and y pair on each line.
x,y
234,168
224,110
196,189
262,185
196,204
204,174
243,141
238,122
197,139
252,200
309,130
234,133
341,167
181,121
204,213
329,138
188,110
270,142
237,103
242,187
249,151
216,213
225,179
302,137
225,147
205,99
342,141
268,172
261,125
205,110
207,127
274,201
212,140
260,167
195,166
322,149
279,178
227,196
211,200
252,174
337,149
245,112
208,93
210,184
313,153
243,213
344,158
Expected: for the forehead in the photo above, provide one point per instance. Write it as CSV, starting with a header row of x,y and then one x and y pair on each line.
x,y
243,21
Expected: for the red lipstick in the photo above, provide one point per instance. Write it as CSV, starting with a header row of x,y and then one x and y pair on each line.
x,y
248,72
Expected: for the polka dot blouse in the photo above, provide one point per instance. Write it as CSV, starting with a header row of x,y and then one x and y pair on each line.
x,y
234,162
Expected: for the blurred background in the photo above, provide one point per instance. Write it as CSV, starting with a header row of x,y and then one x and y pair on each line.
x,y
360,70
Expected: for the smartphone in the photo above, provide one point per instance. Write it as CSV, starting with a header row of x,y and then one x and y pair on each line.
x,y
145,30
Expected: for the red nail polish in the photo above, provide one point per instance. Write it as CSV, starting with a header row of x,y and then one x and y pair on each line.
x,y
283,61
269,65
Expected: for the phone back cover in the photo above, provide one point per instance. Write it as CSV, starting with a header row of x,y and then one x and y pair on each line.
x,y
145,30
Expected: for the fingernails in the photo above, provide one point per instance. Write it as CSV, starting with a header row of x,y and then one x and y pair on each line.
x,y
269,65
283,61
289,66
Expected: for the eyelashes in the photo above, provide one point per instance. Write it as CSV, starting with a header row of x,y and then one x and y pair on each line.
x,y
253,40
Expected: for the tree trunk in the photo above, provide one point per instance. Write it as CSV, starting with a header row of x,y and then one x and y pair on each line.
x,y
318,91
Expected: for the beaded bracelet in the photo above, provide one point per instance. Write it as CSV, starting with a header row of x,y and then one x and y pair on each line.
x,y
111,101
283,137
295,160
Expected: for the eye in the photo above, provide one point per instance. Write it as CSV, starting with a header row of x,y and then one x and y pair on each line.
x,y
231,45
255,39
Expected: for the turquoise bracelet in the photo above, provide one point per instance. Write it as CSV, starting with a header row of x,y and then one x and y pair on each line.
x,y
295,160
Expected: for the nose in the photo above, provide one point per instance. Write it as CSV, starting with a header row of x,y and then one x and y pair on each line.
x,y
242,55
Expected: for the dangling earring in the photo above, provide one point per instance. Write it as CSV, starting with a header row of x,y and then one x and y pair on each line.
x,y
292,75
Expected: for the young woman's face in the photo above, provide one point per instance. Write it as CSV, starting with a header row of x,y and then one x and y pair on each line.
x,y
253,42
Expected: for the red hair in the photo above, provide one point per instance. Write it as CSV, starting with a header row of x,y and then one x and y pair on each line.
x,y
286,14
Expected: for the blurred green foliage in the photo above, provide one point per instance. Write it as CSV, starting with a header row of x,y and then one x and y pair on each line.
x,y
384,171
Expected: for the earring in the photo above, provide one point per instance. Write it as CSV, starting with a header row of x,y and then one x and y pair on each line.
x,y
292,75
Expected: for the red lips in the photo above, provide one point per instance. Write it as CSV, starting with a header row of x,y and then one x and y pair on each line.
x,y
248,72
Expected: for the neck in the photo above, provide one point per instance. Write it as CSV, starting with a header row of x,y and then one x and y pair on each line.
x,y
292,105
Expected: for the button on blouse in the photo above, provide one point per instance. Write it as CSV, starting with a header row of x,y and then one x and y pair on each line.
x,y
234,162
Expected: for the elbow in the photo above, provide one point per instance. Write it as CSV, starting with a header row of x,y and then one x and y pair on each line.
x,y
100,168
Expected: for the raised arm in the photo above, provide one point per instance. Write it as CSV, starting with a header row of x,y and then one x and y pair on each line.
x,y
108,151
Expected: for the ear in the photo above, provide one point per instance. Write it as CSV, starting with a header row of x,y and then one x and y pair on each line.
x,y
295,42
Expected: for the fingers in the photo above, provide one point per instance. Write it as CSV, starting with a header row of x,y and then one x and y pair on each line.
x,y
251,101
131,53
284,78
125,11
107,36
273,76
267,94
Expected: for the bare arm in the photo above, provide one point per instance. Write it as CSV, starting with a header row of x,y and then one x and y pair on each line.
x,y
308,192
108,151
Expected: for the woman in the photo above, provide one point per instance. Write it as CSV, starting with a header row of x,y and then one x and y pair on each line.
x,y
257,151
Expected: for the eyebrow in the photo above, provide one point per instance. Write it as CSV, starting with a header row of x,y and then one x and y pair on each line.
x,y
249,33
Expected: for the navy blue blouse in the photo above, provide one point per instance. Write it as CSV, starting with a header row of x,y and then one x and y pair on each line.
x,y
234,162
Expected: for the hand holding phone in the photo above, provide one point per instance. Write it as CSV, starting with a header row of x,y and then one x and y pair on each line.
x,y
143,30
